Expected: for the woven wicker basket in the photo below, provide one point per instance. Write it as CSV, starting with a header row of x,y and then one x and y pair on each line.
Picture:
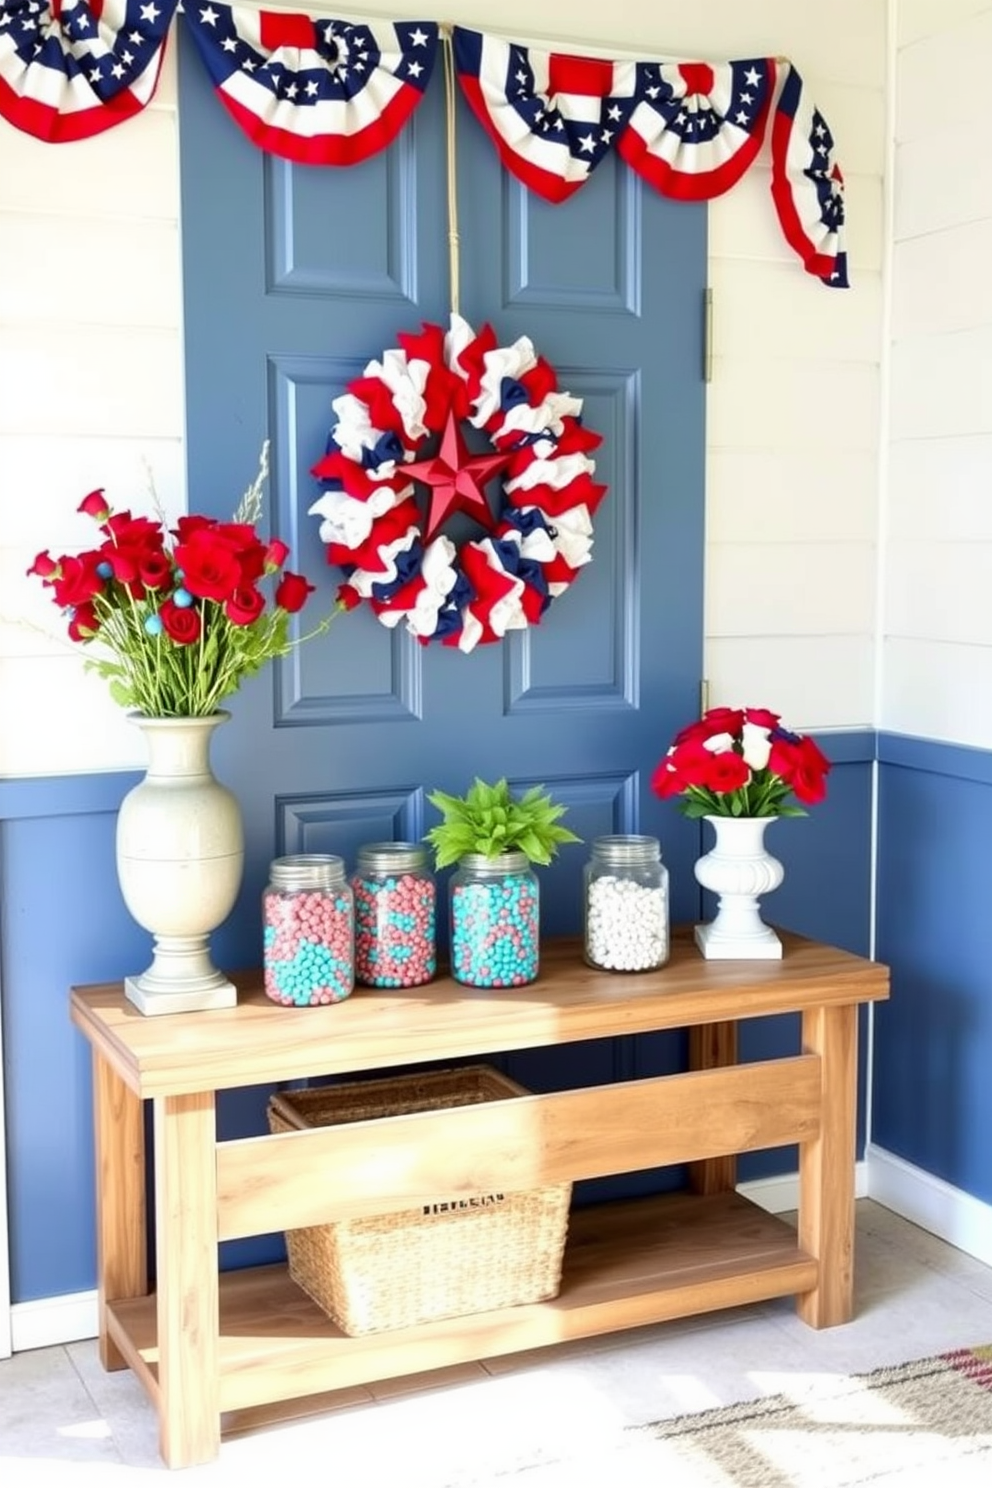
x,y
443,1259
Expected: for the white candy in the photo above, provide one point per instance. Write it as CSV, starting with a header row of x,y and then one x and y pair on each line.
x,y
626,924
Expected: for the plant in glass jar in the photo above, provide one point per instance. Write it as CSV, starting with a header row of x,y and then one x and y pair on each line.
x,y
495,837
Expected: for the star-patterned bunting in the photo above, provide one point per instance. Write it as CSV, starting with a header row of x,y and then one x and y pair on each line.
x,y
697,127
807,185
552,117
312,89
321,91
70,70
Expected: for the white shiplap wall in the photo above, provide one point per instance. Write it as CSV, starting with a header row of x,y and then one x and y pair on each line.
x,y
91,377
937,614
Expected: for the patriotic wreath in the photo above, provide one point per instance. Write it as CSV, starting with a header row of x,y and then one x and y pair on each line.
x,y
404,423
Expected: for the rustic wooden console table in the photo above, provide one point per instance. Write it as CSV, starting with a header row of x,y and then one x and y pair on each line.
x,y
207,1343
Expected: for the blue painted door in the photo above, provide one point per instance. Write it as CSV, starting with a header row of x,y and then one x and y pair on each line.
x,y
296,277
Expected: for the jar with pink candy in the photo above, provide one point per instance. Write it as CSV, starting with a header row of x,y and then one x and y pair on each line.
x,y
395,915
309,931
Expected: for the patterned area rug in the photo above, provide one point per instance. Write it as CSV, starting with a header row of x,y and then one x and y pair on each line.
x,y
927,1424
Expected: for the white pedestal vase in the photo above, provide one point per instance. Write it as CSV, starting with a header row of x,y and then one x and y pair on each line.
x,y
180,859
738,869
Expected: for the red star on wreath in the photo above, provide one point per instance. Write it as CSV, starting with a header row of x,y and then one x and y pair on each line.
x,y
456,481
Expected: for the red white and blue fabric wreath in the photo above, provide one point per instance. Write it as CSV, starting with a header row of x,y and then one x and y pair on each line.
x,y
698,125
402,426
70,69
552,117
807,185
314,90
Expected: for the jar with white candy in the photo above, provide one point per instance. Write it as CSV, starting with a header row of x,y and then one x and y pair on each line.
x,y
626,904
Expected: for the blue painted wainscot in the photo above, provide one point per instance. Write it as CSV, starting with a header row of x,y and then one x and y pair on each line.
x,y
64,923
932,1075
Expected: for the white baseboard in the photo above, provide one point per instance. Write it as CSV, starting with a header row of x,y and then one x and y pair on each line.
x,y
950,1213
918,1196
780,1195
53,1320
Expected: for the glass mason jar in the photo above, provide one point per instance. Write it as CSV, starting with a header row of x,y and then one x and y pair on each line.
x,y
626,904
495,921
395,903
309,931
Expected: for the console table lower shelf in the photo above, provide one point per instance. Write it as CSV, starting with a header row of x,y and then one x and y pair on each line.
x,y
626,1264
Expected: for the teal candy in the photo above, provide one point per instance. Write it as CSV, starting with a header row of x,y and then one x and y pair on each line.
x,y
484,917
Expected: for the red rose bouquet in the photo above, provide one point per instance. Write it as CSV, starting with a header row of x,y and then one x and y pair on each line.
x,y
741,762
178,618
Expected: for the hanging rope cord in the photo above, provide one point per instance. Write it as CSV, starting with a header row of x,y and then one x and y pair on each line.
x,y
449,118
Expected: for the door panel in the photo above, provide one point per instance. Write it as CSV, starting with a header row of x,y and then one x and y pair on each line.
x,y
294,278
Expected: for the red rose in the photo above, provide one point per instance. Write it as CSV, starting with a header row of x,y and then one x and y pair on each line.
x,y
155,570
727,772
247,548
84,623
245,605
132,532
125,565
186,526
666,780
693,762
348,597
94,505
210,565
181,625
761,718
45,567
275,555
292,592
803,766
78,580
134,544
715,721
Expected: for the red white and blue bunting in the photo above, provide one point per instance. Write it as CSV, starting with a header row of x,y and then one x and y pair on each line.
x,y
317,91
400,425
697,127
73,69
807,186
552,117
322,91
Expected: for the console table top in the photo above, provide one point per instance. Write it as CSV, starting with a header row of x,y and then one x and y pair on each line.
x,y
260,1042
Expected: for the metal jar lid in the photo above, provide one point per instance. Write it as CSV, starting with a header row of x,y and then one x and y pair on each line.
x,y
627,850
307,871
378,858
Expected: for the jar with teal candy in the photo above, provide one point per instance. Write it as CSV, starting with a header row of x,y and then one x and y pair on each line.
x,y
395,915
308,922
495,921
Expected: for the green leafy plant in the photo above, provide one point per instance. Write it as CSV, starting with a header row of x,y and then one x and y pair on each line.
x,y
490,820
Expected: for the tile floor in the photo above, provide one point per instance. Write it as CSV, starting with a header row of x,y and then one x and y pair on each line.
x,y
551,1417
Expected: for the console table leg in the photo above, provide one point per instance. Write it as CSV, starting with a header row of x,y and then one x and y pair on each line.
x,y
712,1045
187,1282
826,1168
122,1257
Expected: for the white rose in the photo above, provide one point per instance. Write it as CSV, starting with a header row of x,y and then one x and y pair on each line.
x,y
757,745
